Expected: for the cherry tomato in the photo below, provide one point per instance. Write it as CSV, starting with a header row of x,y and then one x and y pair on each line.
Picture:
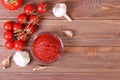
x,y
11,4
30,29
9,44
17,28
8,26
8,35
18,45
22,18
23,37
28,9
42,7
34,19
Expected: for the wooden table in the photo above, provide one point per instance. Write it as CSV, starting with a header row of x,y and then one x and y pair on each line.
x,y
92,54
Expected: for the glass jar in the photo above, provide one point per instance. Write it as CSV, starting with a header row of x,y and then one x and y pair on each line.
x,y
47,47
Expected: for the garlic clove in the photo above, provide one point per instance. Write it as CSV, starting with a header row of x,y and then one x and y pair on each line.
x,y
67,17
38,68
68,33
6,62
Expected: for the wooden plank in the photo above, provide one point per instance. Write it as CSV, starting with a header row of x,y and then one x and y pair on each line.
x,y
73,62
60,76
77,9
40,76
87,32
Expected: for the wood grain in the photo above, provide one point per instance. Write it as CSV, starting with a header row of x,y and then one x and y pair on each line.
x,y
60,76
77,9
105,59
87,32
93,53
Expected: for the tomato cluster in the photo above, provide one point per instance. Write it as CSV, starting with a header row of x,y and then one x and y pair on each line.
x,y
16,33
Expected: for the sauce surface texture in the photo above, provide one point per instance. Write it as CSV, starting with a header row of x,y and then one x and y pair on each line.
x,y
47,47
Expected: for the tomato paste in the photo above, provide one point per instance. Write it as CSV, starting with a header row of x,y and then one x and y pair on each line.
x,y
47,47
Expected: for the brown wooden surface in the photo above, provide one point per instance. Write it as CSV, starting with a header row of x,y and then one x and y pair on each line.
x,y
92,54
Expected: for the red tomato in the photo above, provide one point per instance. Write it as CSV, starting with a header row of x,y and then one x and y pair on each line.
x,y
28,9
8,35
30,29
11,4
34,19
42,7
9,44
23,37
17,28
22,18
8,26
18,45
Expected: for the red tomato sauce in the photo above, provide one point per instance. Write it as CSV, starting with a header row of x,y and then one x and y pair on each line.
x,y
47,47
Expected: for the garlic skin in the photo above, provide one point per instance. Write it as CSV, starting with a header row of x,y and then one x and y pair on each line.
x,y
60,10
39,68
6,62
21,58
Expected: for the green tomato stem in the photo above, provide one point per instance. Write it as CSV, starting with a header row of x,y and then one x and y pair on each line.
x,y
11,1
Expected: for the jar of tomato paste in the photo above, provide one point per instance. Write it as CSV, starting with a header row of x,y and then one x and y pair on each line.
x,y
47,47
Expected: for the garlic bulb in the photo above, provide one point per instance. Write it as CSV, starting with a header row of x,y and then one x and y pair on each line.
x,y
21,58
60,10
